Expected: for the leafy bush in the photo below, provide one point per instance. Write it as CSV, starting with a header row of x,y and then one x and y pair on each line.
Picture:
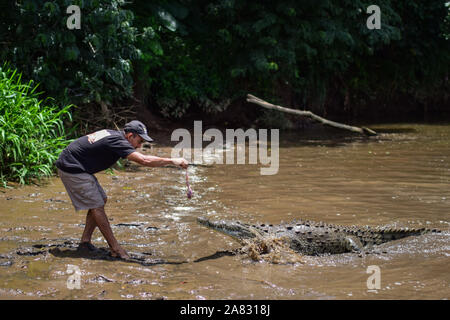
x,y
91,64
311,52
32,132
173,69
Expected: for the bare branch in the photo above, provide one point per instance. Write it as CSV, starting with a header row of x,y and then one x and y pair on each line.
x,y
309,114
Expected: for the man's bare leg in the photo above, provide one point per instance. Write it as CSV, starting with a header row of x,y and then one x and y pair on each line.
x,y
101,220
89,228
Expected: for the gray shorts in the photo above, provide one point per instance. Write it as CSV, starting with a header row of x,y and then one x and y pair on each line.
x,y
83,189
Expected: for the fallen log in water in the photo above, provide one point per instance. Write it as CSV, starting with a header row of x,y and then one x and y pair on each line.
x,y
309,114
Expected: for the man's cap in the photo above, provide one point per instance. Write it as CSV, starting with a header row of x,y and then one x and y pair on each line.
x,y
138,127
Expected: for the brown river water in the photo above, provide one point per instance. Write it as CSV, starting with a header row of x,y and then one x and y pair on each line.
x,y
400,179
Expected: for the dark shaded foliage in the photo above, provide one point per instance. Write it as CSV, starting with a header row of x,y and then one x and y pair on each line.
x,y
204,54
91,64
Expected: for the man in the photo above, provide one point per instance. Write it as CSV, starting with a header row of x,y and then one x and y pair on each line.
x,y
95,152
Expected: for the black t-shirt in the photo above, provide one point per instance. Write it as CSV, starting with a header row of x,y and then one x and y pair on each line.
x,y
94,152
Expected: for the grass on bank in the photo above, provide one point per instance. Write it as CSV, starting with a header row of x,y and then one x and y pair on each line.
x,y
32,132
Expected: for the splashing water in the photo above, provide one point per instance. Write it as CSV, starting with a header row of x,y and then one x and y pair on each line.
x,y
189,190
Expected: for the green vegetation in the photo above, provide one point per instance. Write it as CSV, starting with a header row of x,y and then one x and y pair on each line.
x,y
32,132
314,53
205,54
184,57
82,66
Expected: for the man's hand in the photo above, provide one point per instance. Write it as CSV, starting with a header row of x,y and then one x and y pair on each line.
x,y
180,162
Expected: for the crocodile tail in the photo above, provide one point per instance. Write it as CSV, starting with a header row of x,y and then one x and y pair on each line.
x,y
394,234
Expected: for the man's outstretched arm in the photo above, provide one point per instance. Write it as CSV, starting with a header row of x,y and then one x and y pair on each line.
x,y
153,161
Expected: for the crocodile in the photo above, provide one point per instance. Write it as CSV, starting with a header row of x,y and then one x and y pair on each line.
x,y
313,238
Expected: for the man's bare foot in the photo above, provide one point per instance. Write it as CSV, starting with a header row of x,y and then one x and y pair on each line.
x,y
86,246
119,253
